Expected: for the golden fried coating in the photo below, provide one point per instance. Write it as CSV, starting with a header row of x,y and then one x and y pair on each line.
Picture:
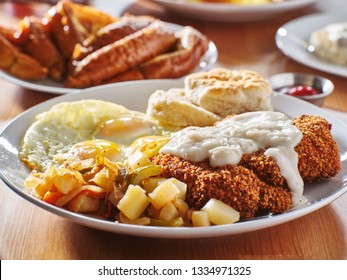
x,y
235,185
319,156
265,167
256,185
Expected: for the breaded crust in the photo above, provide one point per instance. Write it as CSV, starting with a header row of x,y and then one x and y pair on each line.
x,y
256,185
319,156
235,185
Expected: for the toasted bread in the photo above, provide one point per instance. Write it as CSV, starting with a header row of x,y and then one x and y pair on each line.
x,y
110,33
190,47
72,23
18,64
122,55
40,46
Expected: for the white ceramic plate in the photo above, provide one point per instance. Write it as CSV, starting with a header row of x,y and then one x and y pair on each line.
x,y
291,37
13,171
230,12
54,87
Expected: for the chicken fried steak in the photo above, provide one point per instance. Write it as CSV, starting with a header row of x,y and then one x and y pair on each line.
x,y
234,185
256,184
319,156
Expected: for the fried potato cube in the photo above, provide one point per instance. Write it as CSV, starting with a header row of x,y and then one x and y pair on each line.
x,y
177,222
164,193
181,186
200,219
65,180
168,212
39,183
83,203
182,207
143,221
105,178
220,213
134,202
137,160
149,184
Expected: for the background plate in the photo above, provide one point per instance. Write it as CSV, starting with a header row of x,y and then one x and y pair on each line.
x,y
291,37
54,87
13,171
233,13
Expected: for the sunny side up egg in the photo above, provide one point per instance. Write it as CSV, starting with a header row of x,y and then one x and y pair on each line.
x,y
84,127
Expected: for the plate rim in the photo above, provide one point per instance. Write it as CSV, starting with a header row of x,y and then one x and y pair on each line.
x,y
168,232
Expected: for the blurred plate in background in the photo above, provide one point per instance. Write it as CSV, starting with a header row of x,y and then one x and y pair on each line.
x,y
292,37
232,12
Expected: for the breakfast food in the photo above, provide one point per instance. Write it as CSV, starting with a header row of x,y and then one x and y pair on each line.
x,y
174,108
225,92
209,96
122,55
19,64
126,25
131,167
330,43
187,52
260,186
80,46
38,45
70,24
55,131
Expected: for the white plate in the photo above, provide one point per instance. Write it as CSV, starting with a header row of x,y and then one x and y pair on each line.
x,y
54,87
232,12
13,171
290,39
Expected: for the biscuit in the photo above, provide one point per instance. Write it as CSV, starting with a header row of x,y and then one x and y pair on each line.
x,y
225,92
173,108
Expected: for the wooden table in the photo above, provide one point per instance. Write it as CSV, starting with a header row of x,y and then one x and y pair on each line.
x,y
28,232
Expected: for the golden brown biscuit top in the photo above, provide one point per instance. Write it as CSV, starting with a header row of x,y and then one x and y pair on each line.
x,y
224,78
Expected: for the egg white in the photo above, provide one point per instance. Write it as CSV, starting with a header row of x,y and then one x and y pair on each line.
x,y
65,124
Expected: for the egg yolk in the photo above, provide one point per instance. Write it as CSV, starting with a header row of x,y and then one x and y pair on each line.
x,y
92,148
124,130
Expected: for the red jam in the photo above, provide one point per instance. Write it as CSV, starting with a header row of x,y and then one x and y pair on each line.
x,y
302,90
299,90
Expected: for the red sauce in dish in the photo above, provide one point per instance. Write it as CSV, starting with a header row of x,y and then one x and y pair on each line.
x,y
301,90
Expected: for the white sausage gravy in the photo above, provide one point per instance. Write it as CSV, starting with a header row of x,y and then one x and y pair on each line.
x,y
226,142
